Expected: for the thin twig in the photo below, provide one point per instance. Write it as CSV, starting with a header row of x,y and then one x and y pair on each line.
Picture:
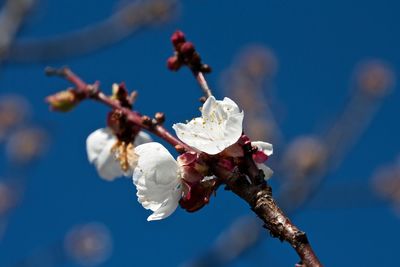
x,y
93,92
203,83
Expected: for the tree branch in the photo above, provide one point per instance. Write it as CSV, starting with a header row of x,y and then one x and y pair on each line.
x,y
92,91
257,193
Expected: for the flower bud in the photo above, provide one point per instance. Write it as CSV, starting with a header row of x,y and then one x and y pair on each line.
x,y
187,49
198,195
160,117
63,101
173,63
177,38
188,158
146,120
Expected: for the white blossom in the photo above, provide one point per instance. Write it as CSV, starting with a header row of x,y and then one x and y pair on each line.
x,y
99,145
267,170
267,150
219,126
264,147
158,180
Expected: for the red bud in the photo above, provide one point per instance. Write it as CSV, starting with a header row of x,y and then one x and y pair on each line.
x,y
187,49
177,38
173,63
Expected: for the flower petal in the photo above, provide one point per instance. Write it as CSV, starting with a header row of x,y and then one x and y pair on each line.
x,y
157,180
267,170
265,147
96,141
219,127
98,147
142,138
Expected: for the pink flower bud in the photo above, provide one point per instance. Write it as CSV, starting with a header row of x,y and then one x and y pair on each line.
x,y
173,63
190,174
197,195
187,159
177,38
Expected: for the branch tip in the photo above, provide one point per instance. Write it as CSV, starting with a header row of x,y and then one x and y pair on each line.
x,y
51,71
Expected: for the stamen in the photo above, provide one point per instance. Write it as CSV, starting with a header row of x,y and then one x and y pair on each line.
x,y
125,155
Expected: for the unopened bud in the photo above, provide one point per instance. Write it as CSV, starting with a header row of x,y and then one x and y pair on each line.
x,y
119,91
146,120
160,117
63,101
177,38
173,63
187,49
179,148
197,195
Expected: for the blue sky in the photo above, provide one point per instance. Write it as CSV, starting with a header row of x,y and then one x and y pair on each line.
x,y
318,45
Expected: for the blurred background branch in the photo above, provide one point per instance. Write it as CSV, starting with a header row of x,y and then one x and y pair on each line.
x,y
87,244
12,17
129,18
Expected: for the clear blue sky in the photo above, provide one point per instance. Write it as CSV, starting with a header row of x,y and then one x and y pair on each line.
x,y
317,43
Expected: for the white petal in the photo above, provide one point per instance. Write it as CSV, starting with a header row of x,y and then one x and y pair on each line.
x,y
157,180
267,170
198,135
98,147
96,141
219,127
142,138
265,147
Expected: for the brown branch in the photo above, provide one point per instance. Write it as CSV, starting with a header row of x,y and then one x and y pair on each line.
x,y
258,194
260,199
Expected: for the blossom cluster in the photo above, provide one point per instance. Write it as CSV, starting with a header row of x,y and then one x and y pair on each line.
x,y
163,182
